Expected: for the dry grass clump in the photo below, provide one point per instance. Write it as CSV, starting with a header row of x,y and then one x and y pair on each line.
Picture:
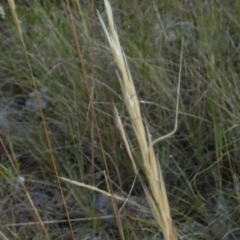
x,y
157,196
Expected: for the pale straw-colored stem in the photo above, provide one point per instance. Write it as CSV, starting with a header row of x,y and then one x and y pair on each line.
x,y
157,198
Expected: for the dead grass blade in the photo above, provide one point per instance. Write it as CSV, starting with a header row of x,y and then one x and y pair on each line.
x,y
3,236
119,124
157,197
93,114
95,189
19,29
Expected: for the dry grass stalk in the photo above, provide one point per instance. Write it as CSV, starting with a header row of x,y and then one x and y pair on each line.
x,y
95,189
93,113
19,29
158,198
3,236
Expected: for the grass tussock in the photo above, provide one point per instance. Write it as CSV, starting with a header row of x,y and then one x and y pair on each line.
x,y
98,138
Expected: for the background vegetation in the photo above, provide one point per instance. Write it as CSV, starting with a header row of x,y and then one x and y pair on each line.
x,y
200,163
